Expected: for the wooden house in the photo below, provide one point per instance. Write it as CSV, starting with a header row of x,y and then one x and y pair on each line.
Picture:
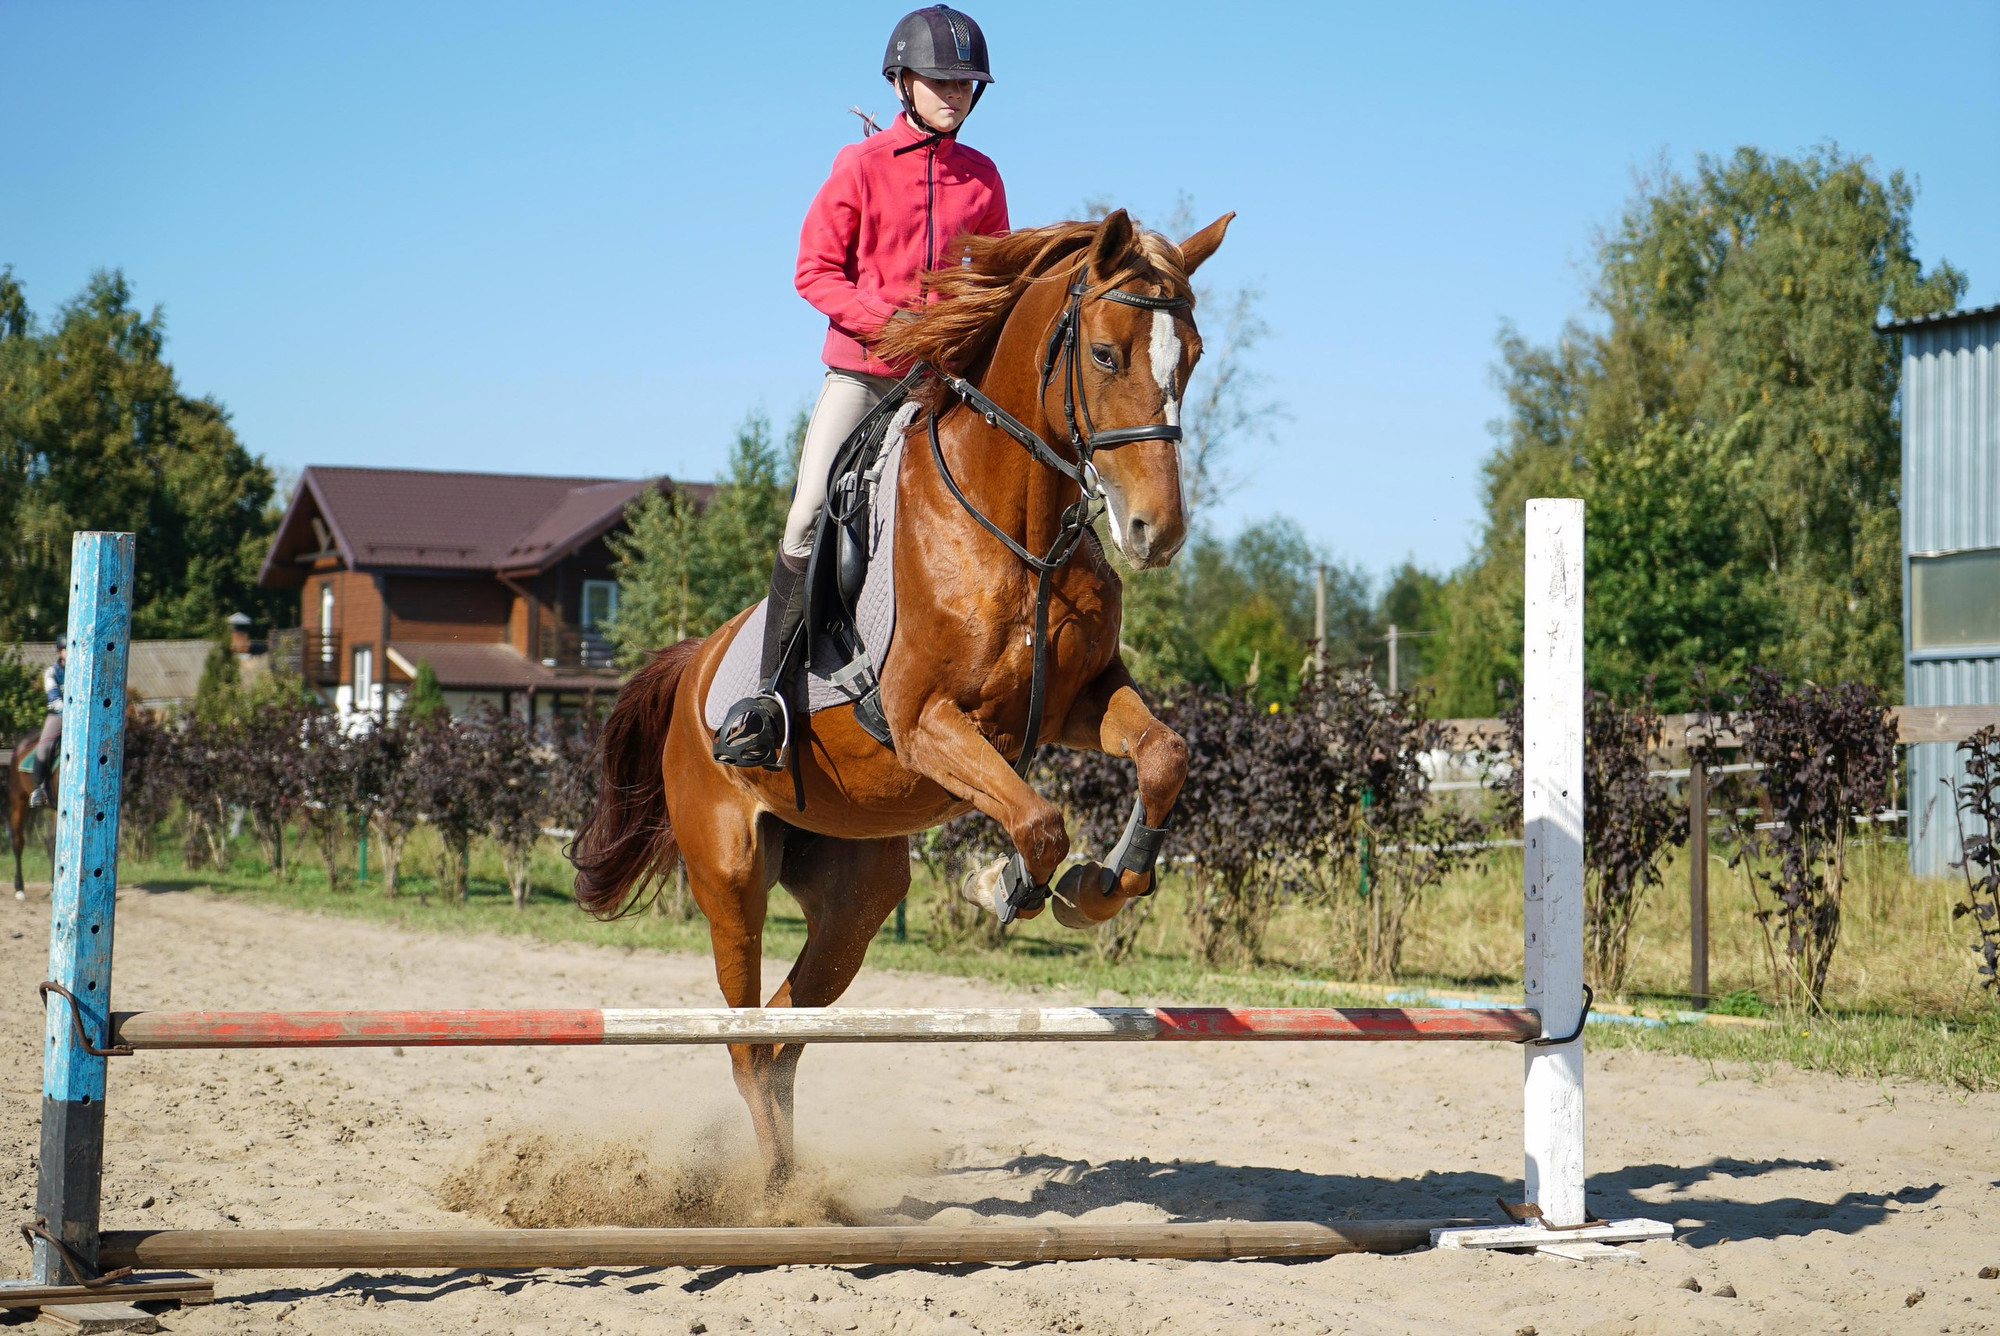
x,y
502,583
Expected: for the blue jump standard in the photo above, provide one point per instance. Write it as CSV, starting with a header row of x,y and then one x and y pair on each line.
x,y
80,914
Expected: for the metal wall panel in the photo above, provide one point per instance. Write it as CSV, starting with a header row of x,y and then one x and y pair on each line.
x,y
1951,501
1951,436
1934,768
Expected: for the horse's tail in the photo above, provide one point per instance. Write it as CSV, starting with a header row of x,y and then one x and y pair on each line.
x,y
626,843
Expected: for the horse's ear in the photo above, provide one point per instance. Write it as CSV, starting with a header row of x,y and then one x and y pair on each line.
x,y
1114,239
1204,243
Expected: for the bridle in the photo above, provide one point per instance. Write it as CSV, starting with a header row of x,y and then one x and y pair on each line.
x,y
1061,356
1065,344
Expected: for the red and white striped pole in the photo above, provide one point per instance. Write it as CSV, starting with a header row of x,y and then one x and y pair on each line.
x,y
810,1025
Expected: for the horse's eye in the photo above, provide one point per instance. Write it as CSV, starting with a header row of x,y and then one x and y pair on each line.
x,y
1101,354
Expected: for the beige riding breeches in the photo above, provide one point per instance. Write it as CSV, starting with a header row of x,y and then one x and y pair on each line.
x,y
844,399
51,732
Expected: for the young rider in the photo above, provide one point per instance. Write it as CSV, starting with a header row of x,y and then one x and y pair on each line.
x,y
887,212
45,746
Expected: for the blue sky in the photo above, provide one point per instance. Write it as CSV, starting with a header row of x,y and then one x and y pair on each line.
x,y
559,238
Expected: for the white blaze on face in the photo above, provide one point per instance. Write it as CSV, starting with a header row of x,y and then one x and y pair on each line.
x,y
1112,499
1166,353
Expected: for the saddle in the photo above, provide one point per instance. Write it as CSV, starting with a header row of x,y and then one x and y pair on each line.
x,y
830,637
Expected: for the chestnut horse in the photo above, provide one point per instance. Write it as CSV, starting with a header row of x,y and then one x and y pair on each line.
x,y
956,685
21,816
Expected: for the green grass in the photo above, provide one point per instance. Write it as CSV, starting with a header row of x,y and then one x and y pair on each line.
x,y
1901,1004
1960,1053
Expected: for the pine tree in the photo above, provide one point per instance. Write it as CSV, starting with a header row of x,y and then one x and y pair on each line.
x,y
426,699
218,696
683,570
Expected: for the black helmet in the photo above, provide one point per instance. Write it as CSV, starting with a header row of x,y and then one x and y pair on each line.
x,y
938,43
62,642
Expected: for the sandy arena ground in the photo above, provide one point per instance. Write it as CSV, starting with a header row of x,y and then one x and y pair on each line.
x,y
1827,1205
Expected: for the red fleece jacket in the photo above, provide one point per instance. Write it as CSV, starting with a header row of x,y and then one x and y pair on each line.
x,y
878,222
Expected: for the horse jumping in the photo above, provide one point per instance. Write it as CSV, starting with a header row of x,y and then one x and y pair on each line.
x,y
956,689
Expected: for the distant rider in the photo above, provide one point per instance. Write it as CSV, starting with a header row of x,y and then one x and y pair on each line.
x,y
45,747
888,211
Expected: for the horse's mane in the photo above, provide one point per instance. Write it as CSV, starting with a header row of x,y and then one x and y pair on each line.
x,y
973,299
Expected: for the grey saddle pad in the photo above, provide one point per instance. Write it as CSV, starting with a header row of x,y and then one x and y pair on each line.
x,y
874,618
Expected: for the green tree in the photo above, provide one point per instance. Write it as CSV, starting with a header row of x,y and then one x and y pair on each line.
x,y
1252,650
1671,587
655,564
96,434
218,696
1734,337
22,703
1224,605
1155,637
426,699
684,570
1413,601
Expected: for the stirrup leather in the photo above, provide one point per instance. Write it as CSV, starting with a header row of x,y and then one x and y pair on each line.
x,y
755,731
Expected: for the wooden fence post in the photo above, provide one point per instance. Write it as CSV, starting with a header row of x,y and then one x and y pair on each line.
x,y
82,900
1698,883
1552,850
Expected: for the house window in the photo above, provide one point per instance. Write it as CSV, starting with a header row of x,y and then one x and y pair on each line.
x,y
326,640
364,676
1955,600
600,604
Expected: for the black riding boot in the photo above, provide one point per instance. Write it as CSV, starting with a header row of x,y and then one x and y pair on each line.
x,y
756,728
40,796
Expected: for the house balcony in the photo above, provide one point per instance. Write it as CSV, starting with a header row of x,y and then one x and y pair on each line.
x,y
313,655
571,649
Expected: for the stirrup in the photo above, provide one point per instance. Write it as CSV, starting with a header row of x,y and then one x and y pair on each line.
x,y
754,732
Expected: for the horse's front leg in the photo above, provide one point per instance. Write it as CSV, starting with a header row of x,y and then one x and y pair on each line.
x,y
947,747
1109,717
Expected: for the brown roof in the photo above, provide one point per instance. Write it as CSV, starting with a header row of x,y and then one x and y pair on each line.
x,y
467,665
417,519
581,514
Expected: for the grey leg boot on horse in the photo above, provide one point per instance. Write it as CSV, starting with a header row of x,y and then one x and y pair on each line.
x,y
755,730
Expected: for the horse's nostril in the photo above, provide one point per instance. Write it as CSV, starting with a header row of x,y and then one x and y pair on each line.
x,y
1139,537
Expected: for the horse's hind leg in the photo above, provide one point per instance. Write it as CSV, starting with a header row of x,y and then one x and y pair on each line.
x,y
847,888
731,856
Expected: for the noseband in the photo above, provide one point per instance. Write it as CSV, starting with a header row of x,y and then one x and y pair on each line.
x,y
1065,345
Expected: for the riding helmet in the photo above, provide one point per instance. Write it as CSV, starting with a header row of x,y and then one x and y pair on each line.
x,y
938,43
62,642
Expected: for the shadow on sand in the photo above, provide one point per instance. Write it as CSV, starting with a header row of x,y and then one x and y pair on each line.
x,y
1204,1189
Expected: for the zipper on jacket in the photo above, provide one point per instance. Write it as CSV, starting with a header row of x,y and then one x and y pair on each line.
x,y
930,208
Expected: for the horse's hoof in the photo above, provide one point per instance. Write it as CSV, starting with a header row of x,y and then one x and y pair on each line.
x,y
983,886
1084,883
1069,915
986,887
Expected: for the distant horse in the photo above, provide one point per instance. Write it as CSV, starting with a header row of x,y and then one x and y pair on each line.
x,y
1075,343
20,814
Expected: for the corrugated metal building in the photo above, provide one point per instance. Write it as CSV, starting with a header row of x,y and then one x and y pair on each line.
x,y
1951,548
